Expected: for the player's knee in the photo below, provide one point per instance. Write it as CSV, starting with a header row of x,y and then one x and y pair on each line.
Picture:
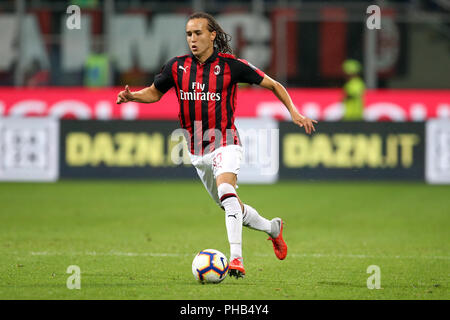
x,y
225,191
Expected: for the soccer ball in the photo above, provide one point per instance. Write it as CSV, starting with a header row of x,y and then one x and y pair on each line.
x,y
210,266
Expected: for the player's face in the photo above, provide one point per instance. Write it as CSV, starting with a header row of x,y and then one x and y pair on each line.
x,y
199,38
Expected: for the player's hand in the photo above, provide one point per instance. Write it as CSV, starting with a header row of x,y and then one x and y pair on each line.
x,y
125,96
304,122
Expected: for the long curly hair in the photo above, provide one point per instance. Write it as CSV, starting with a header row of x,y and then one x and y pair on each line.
x,y
222,40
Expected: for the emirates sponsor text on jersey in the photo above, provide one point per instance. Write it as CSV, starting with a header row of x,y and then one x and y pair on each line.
x,y
199,95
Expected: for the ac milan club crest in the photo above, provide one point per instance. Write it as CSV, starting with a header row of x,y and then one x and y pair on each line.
x,y
216,70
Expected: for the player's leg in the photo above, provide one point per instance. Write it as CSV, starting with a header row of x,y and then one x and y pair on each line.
x,y
229,200
226,183
226,164
206,167
202,165
252,219
226,167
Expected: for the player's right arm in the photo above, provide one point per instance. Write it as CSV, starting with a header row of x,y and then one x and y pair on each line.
x,y
146,95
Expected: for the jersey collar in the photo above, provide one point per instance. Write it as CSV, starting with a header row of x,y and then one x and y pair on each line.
x,y
209,60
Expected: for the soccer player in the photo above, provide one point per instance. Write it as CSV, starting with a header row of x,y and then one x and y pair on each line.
x,y
205,82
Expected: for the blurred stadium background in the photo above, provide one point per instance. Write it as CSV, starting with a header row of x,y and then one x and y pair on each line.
x,y
381,94
58,62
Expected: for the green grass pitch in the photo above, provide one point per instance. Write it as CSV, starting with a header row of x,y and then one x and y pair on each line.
x,y
137,239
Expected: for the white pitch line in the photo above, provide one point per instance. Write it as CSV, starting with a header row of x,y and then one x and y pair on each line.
x,y
176,255
112,253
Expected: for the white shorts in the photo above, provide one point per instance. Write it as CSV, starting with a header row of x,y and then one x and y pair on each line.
x,y
211,165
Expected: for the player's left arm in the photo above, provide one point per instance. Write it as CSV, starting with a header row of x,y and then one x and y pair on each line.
x,y
281,93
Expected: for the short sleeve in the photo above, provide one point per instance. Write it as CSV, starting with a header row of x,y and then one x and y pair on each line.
x,y
247,73
164,80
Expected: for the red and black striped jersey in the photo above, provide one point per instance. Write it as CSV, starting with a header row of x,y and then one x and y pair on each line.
x,y
207,96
